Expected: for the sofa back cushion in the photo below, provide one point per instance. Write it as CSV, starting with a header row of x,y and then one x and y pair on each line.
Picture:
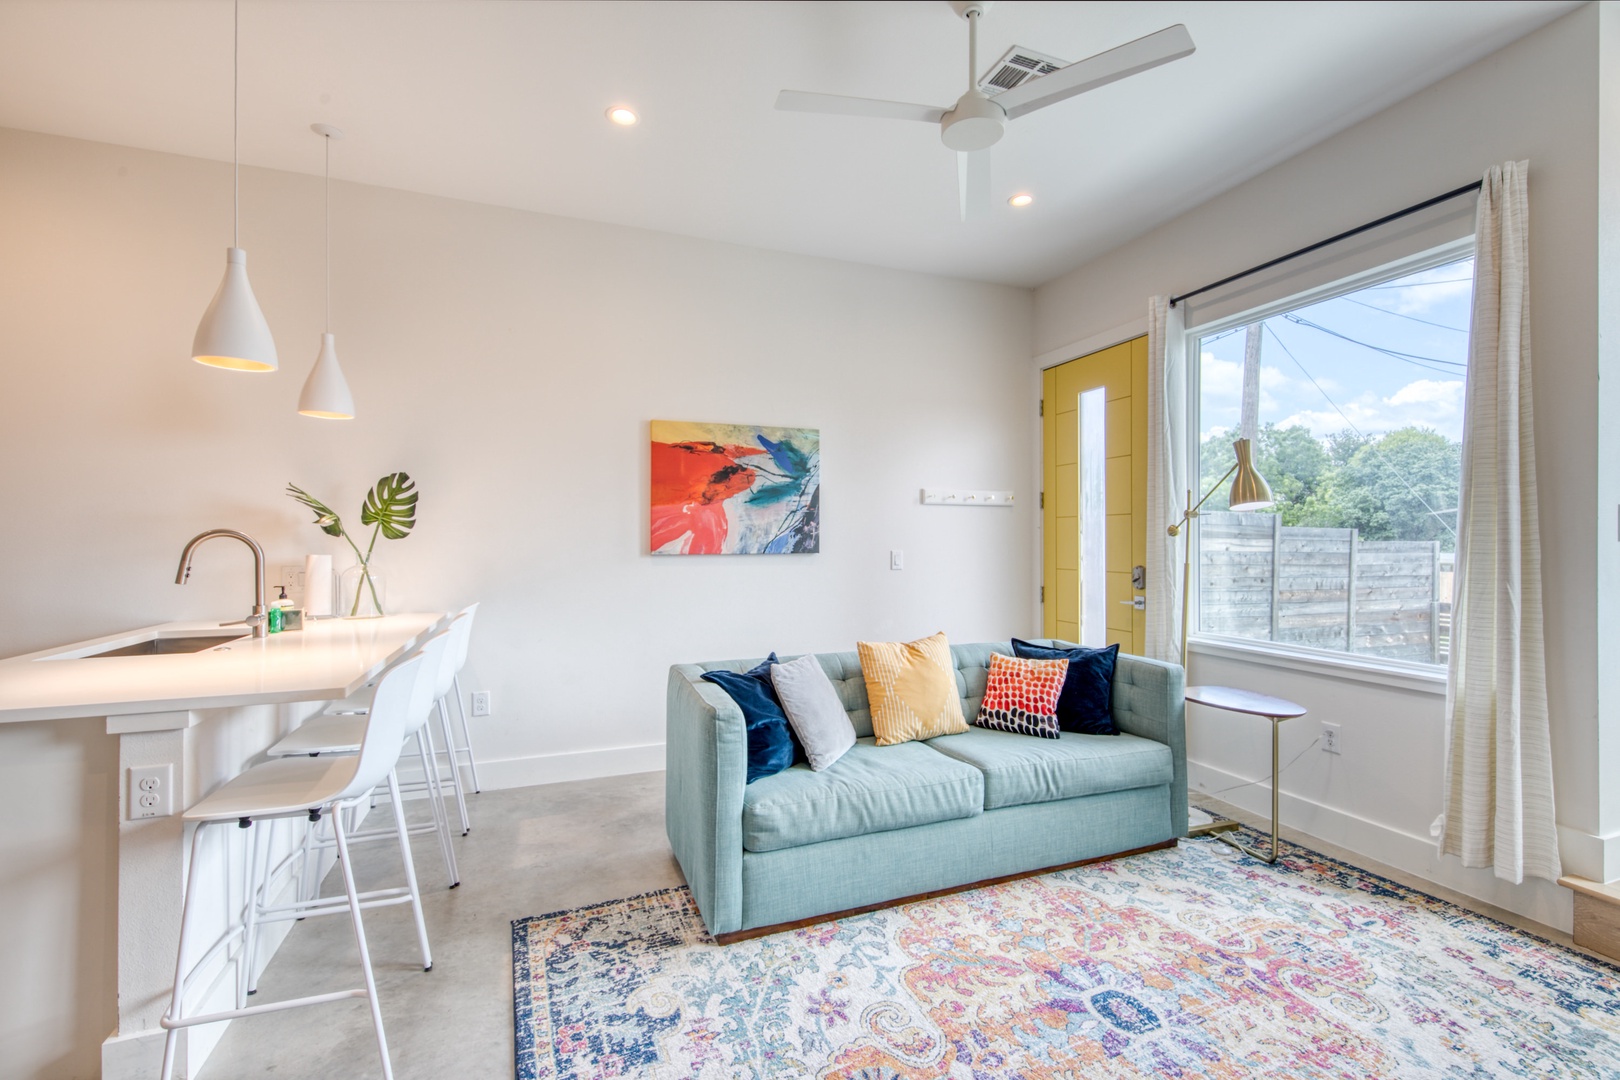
x,y
972,673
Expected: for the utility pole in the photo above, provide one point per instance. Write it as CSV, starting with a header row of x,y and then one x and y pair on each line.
x,y
1249,427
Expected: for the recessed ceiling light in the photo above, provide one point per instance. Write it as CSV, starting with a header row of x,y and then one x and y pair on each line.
x,y
1020,200
623,116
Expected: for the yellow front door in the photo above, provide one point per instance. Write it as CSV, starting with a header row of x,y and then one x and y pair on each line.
x,y
1094,506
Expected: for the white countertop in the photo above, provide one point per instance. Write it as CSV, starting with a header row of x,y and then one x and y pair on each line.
x,y
330,659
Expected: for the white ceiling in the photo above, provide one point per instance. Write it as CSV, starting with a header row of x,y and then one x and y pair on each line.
x,y
501,101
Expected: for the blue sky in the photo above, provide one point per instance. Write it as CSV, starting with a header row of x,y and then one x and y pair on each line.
x,y
1424,315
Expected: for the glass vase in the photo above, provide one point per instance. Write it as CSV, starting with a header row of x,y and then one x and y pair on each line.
x,y
364,591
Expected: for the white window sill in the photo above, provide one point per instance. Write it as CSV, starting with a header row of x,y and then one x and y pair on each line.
x,y
1363,669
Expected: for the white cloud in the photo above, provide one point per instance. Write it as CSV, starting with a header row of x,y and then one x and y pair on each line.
x,y
1428,403
1429,391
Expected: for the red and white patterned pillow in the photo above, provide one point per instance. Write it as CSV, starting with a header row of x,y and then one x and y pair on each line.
x,y
1022,696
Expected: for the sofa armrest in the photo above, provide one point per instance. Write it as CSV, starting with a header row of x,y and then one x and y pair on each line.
x,y
706,767
1150,702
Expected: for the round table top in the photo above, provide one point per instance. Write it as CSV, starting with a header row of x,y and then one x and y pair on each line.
x,y
1244,701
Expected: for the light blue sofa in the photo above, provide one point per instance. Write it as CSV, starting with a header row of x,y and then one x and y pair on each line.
x,y
888,822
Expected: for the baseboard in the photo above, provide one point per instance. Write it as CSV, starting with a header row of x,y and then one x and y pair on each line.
x,y
1543,901
574,765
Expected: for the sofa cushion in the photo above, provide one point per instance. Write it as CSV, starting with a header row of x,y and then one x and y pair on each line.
x,y
911,689
870,789
1019,770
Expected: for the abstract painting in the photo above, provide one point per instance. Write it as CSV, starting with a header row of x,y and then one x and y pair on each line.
x,y
735,489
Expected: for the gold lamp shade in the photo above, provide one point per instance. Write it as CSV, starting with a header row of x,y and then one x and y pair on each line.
x,y
1249,489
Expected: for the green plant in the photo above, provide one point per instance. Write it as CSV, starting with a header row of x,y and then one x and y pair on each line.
x,y
389,508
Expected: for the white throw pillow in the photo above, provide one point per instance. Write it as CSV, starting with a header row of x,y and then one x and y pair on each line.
x,y
813,708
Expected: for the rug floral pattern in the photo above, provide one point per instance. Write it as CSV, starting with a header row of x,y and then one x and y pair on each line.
x,y
1190,962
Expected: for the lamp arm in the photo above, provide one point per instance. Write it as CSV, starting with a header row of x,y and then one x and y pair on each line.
x,y
1192,511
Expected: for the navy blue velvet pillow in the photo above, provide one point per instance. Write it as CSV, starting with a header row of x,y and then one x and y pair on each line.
x,y
771,745
1086,704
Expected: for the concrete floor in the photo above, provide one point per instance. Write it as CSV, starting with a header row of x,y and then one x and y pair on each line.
x,y
531,851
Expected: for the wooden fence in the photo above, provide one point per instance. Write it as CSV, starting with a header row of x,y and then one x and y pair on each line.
x,y
1323,588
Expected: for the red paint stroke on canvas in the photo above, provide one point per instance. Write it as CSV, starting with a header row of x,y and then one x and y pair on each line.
x,y
690,483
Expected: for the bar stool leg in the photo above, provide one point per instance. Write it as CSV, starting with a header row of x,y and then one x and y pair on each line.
x,y
177,999
441,819
341,837
455,772
250,914
466,735
410,870
260,898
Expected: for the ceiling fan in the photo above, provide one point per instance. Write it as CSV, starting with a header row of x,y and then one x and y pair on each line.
x,y
978,120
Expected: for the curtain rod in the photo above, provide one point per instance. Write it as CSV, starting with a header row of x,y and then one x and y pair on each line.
x,y
1385,220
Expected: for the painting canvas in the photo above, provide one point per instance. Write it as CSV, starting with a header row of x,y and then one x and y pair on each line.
x,y
735,489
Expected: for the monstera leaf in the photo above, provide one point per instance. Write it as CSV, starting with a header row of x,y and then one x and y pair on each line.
x,y
325,516
391,506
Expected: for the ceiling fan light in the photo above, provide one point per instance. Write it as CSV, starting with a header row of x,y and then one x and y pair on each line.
x,y
326,392
233,333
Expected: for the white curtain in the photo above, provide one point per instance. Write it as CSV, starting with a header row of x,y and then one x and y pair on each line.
x,y
1167,476
1498,808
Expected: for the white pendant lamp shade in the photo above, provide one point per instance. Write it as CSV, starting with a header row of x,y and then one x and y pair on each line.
x,y
326,392
233,333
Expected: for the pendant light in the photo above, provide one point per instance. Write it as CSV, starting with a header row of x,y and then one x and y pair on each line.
x,y
233,333
326,393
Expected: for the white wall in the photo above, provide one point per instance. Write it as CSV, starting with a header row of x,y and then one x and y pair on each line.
x,y
510,362
1535,99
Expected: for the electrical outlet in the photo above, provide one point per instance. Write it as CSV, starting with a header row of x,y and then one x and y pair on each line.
x,y
480,703
293,578
151,791
897,560
1330,738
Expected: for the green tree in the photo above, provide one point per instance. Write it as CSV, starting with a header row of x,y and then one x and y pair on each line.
x,y
1293,462
1402,486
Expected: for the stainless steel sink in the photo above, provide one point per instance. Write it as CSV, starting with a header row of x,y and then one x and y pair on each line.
x,y
169,646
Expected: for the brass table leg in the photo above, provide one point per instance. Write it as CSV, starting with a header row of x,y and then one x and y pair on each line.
x,y
1276,722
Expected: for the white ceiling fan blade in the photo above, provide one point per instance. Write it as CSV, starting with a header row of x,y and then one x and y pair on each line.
x,y
973,184
1171,43
839,105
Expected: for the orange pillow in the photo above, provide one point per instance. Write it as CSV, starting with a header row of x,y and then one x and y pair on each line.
x,y
911,689
1022,695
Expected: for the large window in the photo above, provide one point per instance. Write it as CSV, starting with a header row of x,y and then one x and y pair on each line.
x,y
1354,403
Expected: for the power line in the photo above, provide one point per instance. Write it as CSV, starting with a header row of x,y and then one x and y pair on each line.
x,y
1415,359
1418,284
1403,315
1370,443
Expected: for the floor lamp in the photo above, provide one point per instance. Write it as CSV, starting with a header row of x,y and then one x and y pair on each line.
x,y
1249,491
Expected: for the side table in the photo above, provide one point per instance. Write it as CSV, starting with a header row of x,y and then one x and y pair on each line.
x,y
1274,709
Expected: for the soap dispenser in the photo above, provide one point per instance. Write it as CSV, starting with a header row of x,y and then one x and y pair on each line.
x,y
275,614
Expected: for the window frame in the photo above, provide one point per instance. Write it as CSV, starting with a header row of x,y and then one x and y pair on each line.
x,y
1359,667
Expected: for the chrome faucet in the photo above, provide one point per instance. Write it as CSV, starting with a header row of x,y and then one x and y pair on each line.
x,y
255,620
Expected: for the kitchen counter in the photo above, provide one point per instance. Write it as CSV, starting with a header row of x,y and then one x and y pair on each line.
x,y
72,728
328,660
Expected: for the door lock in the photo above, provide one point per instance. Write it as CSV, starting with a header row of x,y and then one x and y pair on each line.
x,y
1139,578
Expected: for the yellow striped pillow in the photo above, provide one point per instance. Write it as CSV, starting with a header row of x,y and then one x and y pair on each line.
x,y
911,689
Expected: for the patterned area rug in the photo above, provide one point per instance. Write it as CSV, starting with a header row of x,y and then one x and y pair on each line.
x,y
1190,962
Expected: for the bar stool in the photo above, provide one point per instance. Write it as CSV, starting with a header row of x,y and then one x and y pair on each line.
x,y
445,678
288,788
335,732
457,661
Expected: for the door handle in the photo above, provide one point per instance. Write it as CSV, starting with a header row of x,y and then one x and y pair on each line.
x,y
1139,603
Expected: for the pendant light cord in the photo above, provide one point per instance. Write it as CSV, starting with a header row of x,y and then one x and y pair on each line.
x,y
236,123
328,140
